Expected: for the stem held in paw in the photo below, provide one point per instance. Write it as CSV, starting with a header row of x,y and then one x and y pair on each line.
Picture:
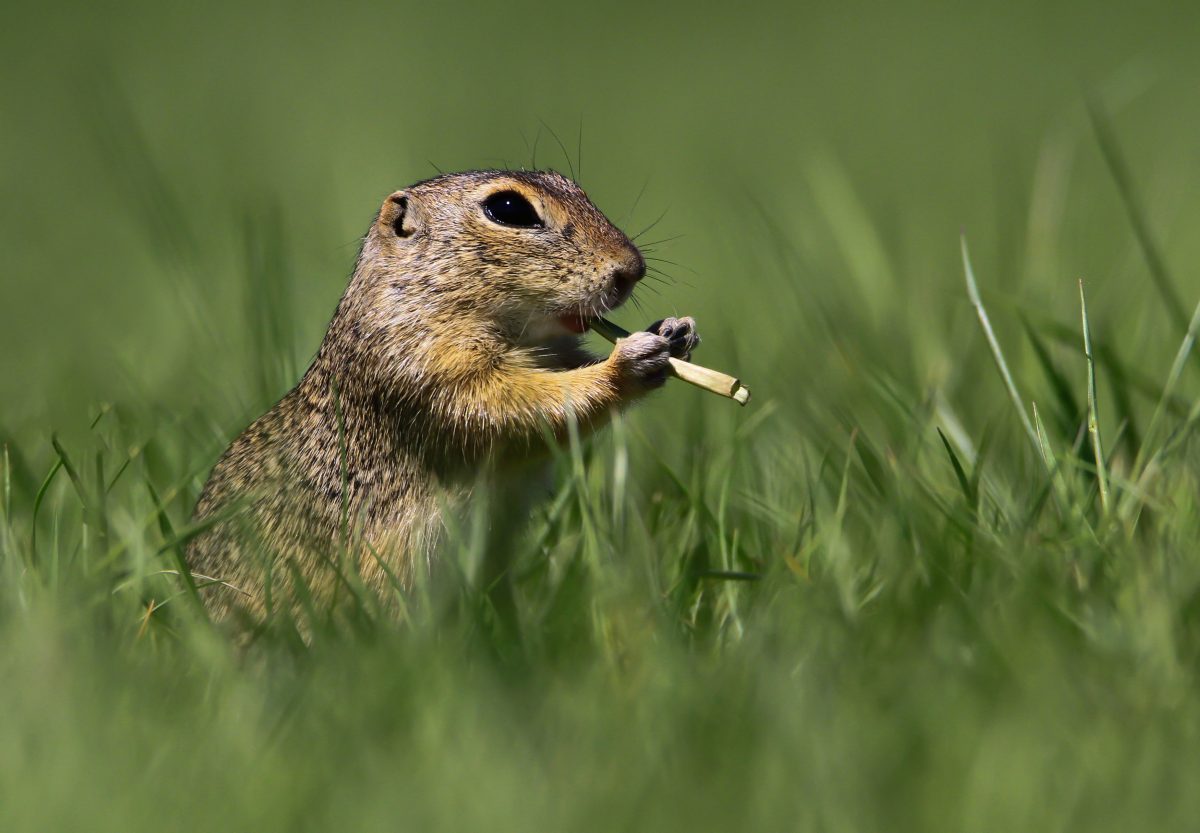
x,y
702,377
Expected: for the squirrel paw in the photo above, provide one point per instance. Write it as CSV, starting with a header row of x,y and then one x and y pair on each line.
x,y
680,332
642,360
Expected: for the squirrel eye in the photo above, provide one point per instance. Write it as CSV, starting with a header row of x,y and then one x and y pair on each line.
x,y
508,208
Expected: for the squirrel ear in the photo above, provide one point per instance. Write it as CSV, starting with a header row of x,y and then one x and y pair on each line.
x,y
396,216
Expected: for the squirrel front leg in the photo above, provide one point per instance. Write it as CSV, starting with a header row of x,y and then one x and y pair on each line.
x,y
511,399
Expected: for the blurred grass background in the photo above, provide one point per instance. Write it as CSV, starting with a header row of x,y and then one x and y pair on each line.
x,y
811,614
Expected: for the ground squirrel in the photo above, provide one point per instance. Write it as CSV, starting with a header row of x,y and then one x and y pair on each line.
x,y
456,343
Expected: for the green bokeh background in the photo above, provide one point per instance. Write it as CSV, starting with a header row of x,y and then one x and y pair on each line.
x,y
185,186
140,137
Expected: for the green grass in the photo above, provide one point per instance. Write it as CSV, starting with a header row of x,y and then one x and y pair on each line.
x,y
899,591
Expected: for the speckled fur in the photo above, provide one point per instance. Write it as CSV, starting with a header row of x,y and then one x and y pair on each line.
x,y
446,353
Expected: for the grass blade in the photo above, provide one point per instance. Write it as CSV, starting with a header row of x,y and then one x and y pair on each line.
x,y
176,549
37,505
72,473
997,353
1044,441
959,474
7,486
1093,406
1131,378
1119,169
1068,408
1181,357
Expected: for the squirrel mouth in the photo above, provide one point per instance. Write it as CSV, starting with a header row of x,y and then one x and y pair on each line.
x,y
576,322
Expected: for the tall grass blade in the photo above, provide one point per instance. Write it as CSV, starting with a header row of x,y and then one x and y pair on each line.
x,y
1181,357
994,344
1068,409
37,505
1059,486
964,483
167,529
1130,379
1044,441
7,486
1093,405
1119,169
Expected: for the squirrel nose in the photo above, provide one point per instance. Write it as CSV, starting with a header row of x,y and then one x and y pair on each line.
x,y
629,271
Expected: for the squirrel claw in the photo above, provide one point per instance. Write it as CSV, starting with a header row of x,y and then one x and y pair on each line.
x,y
680,333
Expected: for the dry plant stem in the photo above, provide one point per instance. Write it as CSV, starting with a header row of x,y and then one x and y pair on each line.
x,y
701,377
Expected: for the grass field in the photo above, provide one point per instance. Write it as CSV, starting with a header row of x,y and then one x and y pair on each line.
x,y
902,590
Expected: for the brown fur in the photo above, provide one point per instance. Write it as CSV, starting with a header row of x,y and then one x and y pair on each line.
x,y
446,351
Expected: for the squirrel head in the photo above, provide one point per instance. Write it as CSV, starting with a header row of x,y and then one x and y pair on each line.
x,y
523,249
